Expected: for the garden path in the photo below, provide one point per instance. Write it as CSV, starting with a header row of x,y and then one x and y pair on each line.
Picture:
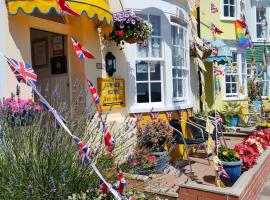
x,y
265,193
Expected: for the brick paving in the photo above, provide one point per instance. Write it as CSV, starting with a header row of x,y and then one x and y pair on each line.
x,y
265,193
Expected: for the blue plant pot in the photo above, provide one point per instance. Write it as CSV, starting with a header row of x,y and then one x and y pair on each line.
x,y
233,121
257,105
233,169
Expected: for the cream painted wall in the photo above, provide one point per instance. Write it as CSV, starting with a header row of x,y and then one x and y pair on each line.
x,y
11,45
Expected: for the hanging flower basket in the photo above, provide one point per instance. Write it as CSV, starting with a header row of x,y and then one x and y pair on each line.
x,y
129,28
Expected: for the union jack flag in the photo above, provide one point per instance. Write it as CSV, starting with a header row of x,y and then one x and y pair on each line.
x,y
65,9
215,51
214,9
84,151
217,71
81,52
180,113
138,116
23,72
218,143
93,91
154,115
103,187
189,112
219,118
215,30
109,141
169,115
121,182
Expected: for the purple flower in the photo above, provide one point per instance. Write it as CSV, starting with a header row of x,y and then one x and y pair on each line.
x,y
122,25
29,191
133,21
52,185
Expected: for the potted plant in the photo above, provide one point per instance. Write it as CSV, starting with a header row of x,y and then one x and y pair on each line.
x,y
232,111
129,28
153,137
232,164
254,94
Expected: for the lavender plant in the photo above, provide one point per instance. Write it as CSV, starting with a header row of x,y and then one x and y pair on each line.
x,y
38,161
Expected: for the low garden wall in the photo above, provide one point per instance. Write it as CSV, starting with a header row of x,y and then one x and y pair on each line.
x,y
247,186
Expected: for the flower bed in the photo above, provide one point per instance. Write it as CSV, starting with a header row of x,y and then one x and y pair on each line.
x,y
253,146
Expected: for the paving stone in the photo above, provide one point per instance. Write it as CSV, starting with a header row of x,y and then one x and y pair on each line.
x,y
262,197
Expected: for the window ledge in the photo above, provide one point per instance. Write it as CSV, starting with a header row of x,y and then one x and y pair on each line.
x,y
138,109
235,99
227,18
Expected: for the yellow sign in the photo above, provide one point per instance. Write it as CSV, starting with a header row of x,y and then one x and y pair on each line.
x,y
112,93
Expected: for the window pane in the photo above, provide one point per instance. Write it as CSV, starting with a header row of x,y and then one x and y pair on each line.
x,y
155,21
141,71
232,11
156,47
142,50
181,37
175,56
228,79
234,57
226,11
232,2
175,72
181,73
228,88
234,87
260,31
175,40
175,87
155,92
226,1
142,93
154,68
180,88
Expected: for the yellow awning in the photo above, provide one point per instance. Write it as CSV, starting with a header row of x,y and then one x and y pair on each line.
x,y
95,9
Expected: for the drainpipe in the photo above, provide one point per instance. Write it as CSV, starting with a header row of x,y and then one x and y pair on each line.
x,y
199,35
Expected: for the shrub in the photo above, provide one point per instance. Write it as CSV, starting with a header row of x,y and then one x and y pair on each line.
x,y
41,162
154,135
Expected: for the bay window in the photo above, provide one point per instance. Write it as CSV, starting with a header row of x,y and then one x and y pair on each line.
x,y
149,64
229,8
179,62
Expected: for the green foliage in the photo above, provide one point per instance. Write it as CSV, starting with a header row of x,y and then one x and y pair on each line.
x,y
254,90
39,162
154,135
232,109
228,155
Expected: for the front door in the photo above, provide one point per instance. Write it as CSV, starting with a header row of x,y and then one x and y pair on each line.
x,y
49,60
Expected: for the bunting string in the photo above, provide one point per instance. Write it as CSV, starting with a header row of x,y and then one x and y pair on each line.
x,y
21,68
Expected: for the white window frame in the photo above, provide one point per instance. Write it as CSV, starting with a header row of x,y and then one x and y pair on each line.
x,y
235,10
241,75
185,67
153,59
257,23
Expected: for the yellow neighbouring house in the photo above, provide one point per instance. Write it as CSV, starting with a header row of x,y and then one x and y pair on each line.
x,y
232,86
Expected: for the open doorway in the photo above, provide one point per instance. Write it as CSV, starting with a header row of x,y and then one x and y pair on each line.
x,y
49,60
